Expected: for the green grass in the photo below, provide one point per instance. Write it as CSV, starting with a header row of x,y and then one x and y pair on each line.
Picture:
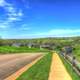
x,y
39,71
8,49
77,52
70,70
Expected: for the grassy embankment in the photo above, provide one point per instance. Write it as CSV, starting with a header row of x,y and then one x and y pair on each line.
x,y
70,69
8,49
39,71
77,52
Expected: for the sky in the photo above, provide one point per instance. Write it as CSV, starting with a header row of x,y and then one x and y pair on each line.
x,y
39,18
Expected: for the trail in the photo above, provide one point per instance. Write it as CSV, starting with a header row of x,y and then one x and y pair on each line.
x,y
58,71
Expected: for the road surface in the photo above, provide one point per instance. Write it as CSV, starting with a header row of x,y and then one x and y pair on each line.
x,y
11,63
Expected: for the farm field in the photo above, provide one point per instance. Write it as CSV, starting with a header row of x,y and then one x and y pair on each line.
x,y
9,49
55,43
10,63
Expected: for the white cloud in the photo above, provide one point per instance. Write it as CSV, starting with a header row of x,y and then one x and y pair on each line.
x,y
5,24
51,33
3,3
12,13
25,27
20,13
2,26
26,4
13,19
59,33
63,31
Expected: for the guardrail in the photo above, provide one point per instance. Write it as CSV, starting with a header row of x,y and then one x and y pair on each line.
x,y
76,65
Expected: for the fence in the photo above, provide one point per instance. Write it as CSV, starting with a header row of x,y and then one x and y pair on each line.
x,y
76,65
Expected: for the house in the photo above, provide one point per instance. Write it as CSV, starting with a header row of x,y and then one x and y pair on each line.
x,y
47,46
35,45
68,50
16,44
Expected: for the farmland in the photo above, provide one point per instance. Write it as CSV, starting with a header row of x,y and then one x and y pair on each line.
x,y
11,49
6,46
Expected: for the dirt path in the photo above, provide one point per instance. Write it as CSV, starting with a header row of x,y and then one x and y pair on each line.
x,y
58,71
12,63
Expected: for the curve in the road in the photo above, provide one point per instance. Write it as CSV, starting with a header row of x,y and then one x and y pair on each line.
x,y
9,66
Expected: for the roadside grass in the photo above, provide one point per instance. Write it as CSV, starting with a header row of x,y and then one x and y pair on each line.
x,y
70,70
10,49
39,71
76,52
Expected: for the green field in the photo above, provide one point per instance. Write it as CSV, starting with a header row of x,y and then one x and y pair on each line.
x,y
39,71
58,43
9,49
77,52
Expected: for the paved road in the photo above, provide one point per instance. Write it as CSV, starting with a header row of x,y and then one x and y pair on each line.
x,y
10,63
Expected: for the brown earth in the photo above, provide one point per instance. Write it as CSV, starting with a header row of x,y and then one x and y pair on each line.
x,y
10,63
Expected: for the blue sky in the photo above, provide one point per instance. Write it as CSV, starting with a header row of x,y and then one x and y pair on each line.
x,y
39,18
